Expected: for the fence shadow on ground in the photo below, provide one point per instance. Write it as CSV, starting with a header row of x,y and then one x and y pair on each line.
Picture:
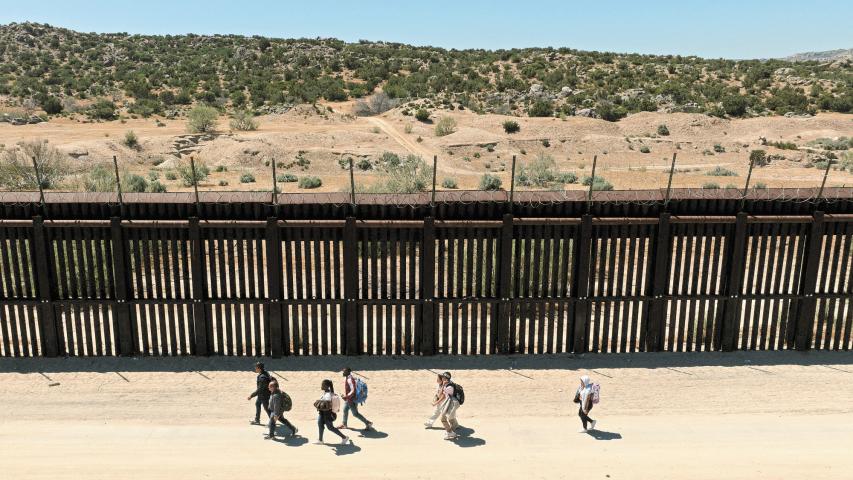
x,y
432,364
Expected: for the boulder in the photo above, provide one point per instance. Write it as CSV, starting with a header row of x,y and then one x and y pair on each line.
x,y
565,91
536,89
78,152
587,112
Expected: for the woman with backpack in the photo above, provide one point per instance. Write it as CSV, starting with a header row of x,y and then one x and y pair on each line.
x,y
584,397
326,412
279,403
448,407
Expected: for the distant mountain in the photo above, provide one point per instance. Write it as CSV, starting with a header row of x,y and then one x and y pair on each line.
x,y
827,56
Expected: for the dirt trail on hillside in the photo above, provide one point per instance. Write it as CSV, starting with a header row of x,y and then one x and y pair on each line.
x,y
742,415
407,143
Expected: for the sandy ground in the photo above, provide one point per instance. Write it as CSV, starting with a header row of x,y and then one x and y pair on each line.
x,y
740,415
479,146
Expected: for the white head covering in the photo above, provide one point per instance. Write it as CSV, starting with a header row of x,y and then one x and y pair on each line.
x,y
585,390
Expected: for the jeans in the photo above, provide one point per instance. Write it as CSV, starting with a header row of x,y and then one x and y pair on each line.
x,y
584,417
354,407
448,415
324,420
261,402
272,421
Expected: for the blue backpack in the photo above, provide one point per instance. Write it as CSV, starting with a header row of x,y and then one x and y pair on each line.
x,y
360,391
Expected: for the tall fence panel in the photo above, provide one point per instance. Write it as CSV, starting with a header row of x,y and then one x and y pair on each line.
x,y
420,287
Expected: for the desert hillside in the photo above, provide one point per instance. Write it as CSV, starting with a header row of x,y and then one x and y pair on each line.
x,y
309,141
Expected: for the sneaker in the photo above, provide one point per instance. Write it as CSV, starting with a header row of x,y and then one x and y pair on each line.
x,y
269,437
368,426
342,427
254,422
295,431
428,424
319,442
345,441
582,430
450,436
592,426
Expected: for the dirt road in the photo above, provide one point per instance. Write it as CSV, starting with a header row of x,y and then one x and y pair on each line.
x,y
776,415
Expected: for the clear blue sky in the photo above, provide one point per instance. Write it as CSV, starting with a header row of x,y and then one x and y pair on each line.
x,y
708,28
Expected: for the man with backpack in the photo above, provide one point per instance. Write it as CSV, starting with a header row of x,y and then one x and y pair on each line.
x,y
280,402
454,396
355,393
262,392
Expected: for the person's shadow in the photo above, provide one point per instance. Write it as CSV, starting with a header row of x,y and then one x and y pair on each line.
x,y
348,449
601,435
465,440
372,434
292,440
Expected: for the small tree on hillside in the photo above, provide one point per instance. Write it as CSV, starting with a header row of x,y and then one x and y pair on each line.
x,y
202,119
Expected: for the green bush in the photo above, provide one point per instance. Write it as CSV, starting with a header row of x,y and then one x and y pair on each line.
x,y
422,115
243,121
541,108
784,145
134,183
223,183
449,183
566,178
511,126
171,176
719,171
711,186
286,178
52,106
663,130
490,182
100,178
758,158
202,119
16,166
220,169
719,148
760,186
247,178
102,110
409,174
600,183
186,173
610,111
309,182
156,187
364,164
735,105
131,140
538,173
645,149
445,126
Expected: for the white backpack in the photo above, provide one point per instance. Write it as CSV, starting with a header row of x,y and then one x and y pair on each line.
x,y
336,403
596,393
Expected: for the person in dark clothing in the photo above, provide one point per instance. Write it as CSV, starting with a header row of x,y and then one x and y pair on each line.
x,y
277,411
261,393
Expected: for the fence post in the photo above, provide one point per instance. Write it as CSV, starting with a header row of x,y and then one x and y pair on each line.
x,y
121,310
735,252
351,287
504,286
199,293
808,303
47,314
428,288
660,281
276,294
581,285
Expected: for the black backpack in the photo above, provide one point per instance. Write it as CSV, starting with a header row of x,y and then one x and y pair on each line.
x,y
458,393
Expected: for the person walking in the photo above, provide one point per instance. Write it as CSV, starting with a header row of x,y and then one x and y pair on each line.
x,y
583,397
437,402
449,406
326,414
261,393
350,401
277,411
